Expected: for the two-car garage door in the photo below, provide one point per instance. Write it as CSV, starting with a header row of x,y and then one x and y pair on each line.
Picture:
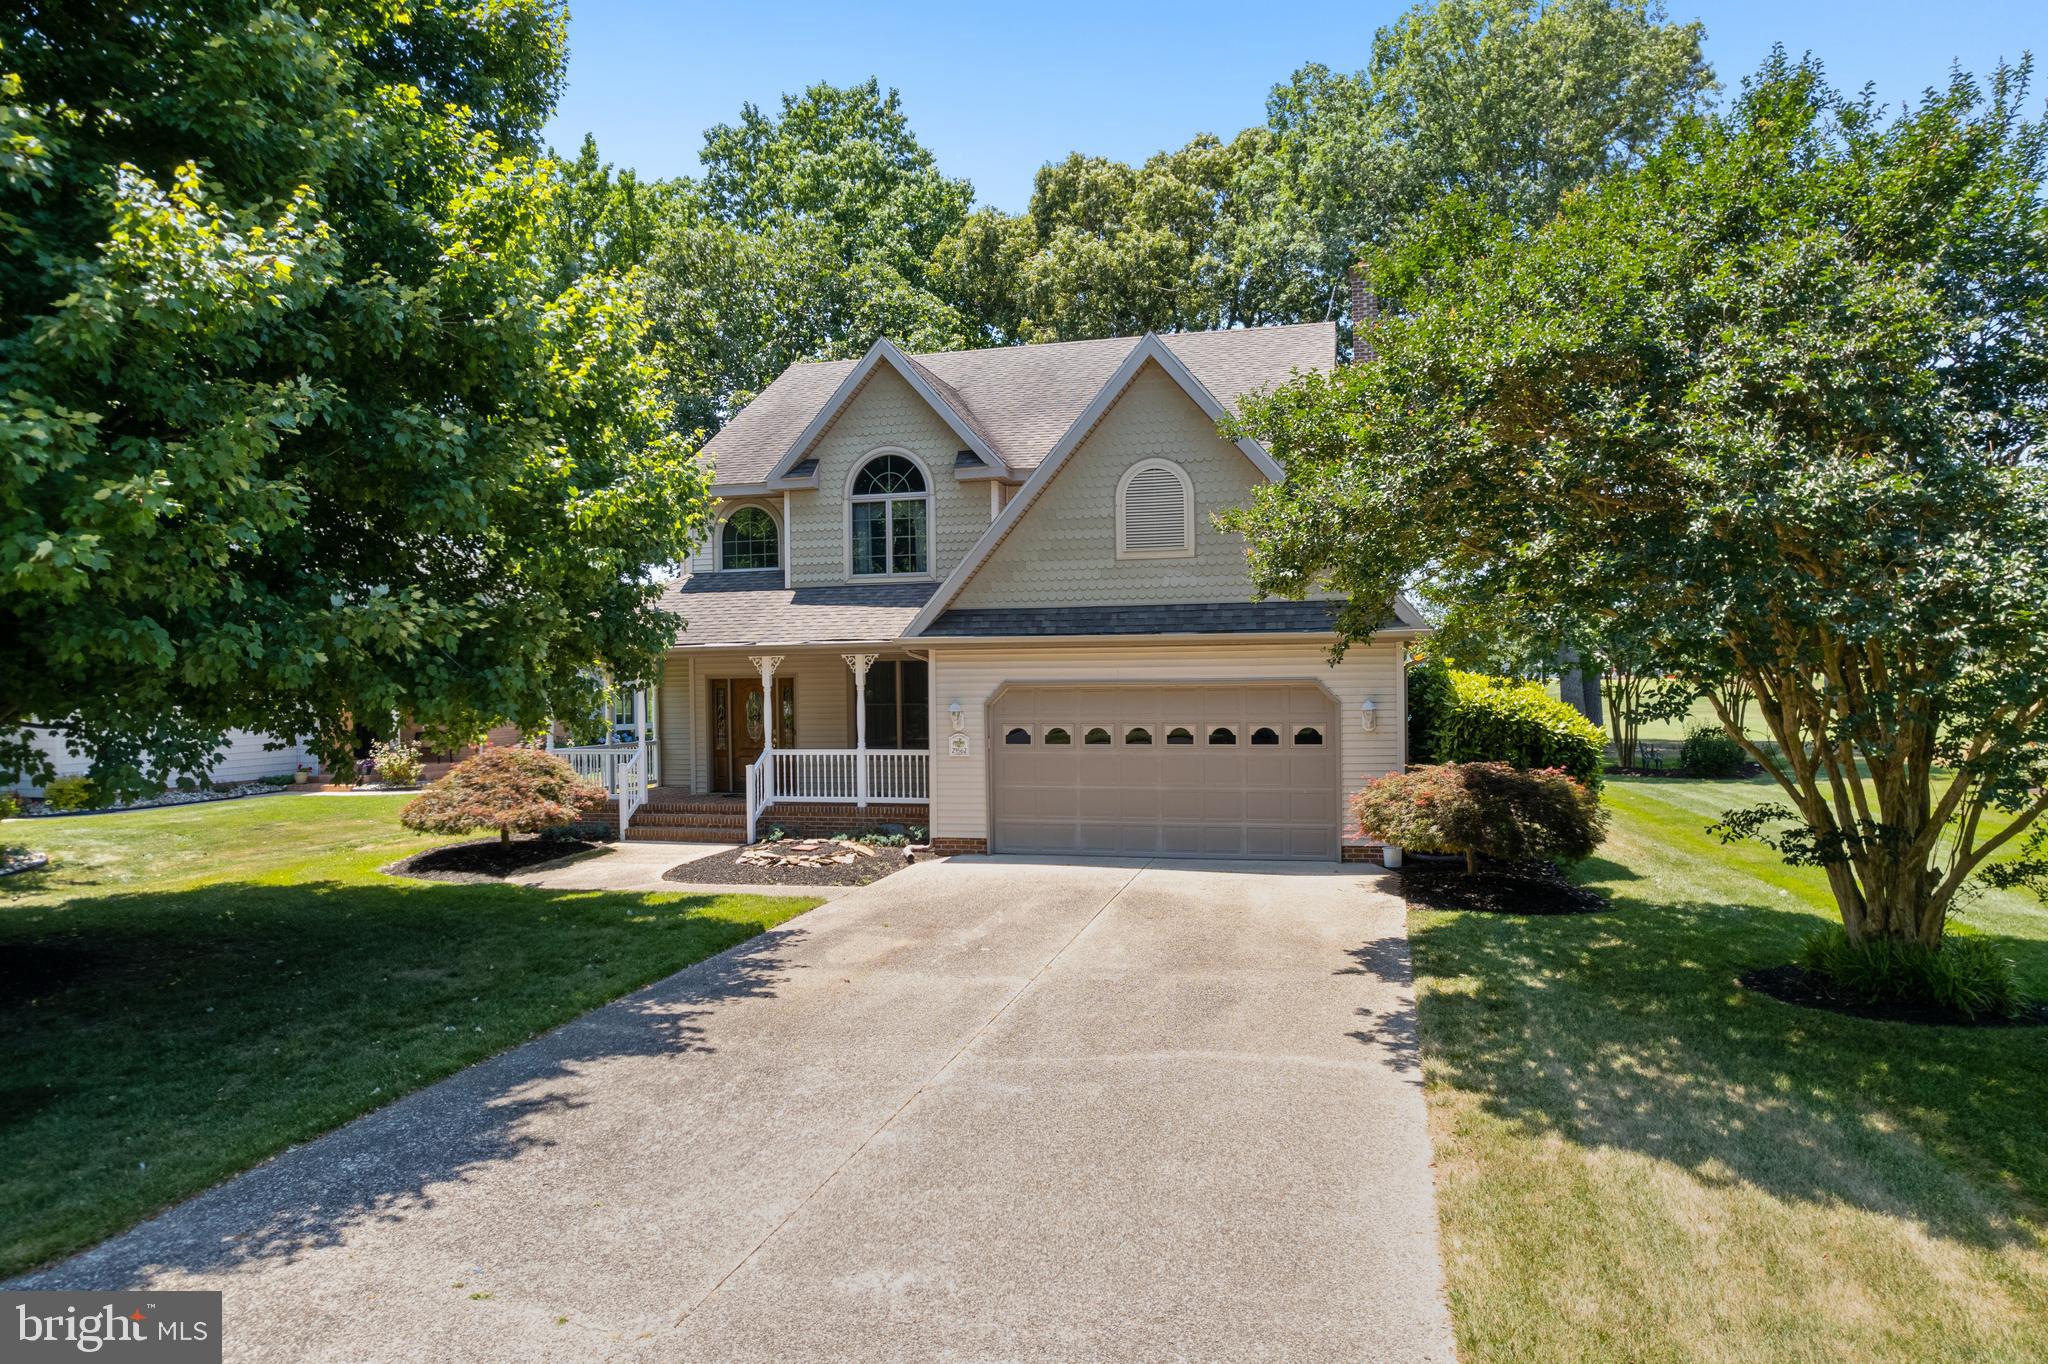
x,y
1191,771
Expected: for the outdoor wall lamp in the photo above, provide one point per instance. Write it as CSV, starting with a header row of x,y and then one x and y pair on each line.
x,y
1369,714
954,711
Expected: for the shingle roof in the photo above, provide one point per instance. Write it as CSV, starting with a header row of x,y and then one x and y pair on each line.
x,y
1221,618
751,607
1019,399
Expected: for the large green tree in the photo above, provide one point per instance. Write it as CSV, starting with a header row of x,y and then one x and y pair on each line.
x,y
302,422
1193,240
1503,104
811,234
1773,406
1507,103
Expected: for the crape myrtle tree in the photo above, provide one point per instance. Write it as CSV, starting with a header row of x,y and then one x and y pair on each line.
x,y
301,420
1771,404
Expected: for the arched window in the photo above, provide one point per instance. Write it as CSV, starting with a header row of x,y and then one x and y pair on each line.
x,y
1265,735
1308,735
1137,734
1019,734
1097,735
1221,736
1155,512
749,540
1180,734
891,510
1058,735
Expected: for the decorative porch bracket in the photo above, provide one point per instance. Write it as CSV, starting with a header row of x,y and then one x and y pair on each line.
x,y
860,663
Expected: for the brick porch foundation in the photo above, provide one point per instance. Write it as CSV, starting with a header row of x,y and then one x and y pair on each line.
x,y
816,821
959,847
1360,852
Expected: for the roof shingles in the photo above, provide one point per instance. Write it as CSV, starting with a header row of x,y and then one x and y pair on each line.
x,y
1018,399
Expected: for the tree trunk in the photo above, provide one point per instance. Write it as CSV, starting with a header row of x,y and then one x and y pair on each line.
x,y
504,833
1471,862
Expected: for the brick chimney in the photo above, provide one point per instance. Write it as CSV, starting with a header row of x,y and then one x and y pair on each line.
x,y
1365,315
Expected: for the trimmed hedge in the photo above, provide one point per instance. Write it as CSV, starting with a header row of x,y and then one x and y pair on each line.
x,y
1458,717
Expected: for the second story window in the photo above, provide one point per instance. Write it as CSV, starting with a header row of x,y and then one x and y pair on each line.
x,y
749,540
891,518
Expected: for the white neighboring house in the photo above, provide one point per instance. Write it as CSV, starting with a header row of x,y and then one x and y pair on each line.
x,y
244,758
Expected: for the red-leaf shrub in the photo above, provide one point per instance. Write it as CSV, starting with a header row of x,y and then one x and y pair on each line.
x,y
512,790
1483,810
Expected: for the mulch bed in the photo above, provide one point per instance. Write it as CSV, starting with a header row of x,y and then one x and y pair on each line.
x,y
1530,888
488,860
727,869
1794,984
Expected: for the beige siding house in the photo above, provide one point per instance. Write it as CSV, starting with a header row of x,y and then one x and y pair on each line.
x,y
984,593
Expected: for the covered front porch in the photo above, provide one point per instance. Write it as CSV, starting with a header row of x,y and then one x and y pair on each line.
x,y
834,729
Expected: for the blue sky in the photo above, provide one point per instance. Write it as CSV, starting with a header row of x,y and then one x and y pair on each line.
x,y
997,90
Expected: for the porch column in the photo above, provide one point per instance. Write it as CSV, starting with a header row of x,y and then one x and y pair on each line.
x,y
640,732
766,664
860,663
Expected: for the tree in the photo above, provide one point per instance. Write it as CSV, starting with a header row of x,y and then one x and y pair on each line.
x,y
512,790
810,235
1193,240
1506,104
298,421
1773,406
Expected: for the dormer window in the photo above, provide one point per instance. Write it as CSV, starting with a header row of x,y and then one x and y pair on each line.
x,y
890,503
1155,512
749,540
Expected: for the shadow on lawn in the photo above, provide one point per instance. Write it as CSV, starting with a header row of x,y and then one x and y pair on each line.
x,y
398,1161
1627,1031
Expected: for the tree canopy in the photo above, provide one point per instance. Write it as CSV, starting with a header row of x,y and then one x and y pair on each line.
x,y
304,419
1772,406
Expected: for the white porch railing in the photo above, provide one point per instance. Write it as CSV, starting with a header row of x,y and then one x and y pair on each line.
x,y
601,763
835,775
899,774
632,787
760,790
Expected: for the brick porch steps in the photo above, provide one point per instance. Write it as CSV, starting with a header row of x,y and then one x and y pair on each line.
x,y
682,833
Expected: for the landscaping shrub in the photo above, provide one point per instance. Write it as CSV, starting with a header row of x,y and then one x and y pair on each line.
x,y
10,805
1709,752
397,763
1429,700
70,793
1483,810
1965,974
1483,719
512,790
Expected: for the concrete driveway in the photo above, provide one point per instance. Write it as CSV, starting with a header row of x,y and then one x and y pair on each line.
x,y
987,1109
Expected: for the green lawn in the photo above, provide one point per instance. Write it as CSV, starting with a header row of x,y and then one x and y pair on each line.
x,y
190,990
1638,1160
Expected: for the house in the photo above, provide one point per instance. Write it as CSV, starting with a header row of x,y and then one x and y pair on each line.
x,y
245,755
982,592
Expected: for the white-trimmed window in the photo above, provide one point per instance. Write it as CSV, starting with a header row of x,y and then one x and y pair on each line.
x,y
750,539
1155,512
889,506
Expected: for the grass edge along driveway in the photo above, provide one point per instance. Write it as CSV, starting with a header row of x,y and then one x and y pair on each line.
x,y
190,990
1638,1160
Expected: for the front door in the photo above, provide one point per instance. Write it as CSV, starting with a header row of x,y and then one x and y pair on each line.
x,y
739,727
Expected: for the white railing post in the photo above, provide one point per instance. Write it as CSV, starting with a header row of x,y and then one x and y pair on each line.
x,y
753,807
640,730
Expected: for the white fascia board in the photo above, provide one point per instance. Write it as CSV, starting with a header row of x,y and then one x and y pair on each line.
x,y
883,351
